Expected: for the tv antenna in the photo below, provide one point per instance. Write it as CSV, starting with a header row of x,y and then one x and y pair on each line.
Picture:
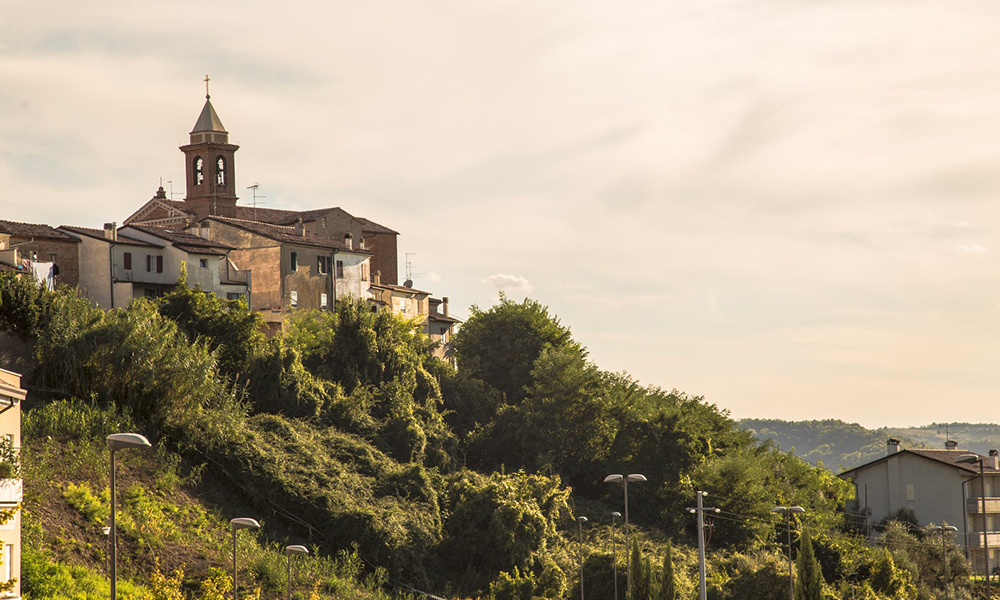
x,y
410,274
170,182
255,197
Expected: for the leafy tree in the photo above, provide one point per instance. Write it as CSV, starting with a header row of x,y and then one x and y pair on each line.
x,y
499,522
500,346
24,305
809,583
228,327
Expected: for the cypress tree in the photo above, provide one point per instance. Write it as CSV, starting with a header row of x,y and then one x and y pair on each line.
x,y
809,585
640,576
668,587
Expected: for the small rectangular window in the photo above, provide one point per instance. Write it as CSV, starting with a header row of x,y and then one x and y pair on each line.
x,y
294,261
340,268
911,493
233,295
364,271
159,264
203,263
8,556
149,263
295,299
321,264
322,300
127,261
52,258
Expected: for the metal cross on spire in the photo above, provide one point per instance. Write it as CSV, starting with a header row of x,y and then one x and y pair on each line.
x,y
207,96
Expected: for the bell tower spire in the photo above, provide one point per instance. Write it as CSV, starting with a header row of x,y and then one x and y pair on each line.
x,y
210,165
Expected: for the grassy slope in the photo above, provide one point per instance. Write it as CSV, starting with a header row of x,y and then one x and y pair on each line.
x,y
168,515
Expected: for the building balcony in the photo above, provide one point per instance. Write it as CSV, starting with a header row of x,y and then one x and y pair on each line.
x,y
975,539
11,491
974,506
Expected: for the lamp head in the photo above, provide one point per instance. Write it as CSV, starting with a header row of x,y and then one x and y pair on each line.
x,y
950,528
636,477
296,549
969,459
613,479
934,528
581,519
117,441
616,515
796,509
779,509
244,523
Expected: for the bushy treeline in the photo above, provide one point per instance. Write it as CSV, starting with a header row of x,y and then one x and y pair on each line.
x,y
348,429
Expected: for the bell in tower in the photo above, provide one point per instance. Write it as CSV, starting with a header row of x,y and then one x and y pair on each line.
x,y
210,168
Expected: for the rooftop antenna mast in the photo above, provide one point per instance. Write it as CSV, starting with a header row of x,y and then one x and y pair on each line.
x,y
170,182
255,196
409,270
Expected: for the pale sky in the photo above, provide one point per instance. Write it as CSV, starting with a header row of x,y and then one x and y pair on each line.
x,y
787,207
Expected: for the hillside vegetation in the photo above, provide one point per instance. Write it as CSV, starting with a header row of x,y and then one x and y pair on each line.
x,y
403,474
840,446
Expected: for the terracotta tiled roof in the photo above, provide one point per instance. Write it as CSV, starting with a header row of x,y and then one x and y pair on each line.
x,y
285,234
190,242
372,226
948,457
34,230
433,316
99,234
398,288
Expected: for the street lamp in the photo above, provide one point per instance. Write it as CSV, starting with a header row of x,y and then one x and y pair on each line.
x,y
290,550
614,549
119,441
579,526
623,481
240,523
788,511
944,552
969,459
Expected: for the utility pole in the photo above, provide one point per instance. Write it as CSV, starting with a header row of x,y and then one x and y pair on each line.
x,y
700,511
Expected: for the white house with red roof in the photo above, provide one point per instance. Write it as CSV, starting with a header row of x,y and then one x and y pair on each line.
x,y
941,487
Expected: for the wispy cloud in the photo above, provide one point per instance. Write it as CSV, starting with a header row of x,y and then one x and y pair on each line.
x,y
510,284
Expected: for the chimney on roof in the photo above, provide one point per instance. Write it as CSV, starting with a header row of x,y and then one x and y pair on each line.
x,y
892,446
994,459
111,232
378,277
950,445
349,241
299,229
444,305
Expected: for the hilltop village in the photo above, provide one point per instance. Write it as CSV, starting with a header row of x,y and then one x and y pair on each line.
x,y
275,260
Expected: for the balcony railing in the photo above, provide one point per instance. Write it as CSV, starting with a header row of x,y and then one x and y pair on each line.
x,y
974,506
975,539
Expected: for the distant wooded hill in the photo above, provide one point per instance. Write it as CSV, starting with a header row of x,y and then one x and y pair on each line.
x,y
839,445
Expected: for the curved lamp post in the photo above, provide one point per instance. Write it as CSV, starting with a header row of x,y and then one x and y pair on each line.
x,y
614,549
969,459
579,527
944,551
119,441
623,481
788,511
290,550
240,523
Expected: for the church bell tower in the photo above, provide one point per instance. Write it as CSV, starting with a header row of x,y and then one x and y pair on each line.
x,y
210,165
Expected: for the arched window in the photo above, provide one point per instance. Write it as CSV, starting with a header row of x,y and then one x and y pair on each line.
x,y
220,172
199,171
